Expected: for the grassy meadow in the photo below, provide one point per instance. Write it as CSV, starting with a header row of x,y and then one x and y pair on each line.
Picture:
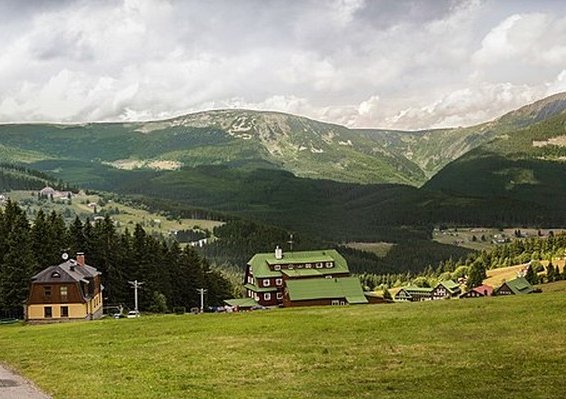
x,y
127,217
476,348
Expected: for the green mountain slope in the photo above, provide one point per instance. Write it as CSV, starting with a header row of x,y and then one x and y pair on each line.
x,y
433,149
253,139
302,146
527,165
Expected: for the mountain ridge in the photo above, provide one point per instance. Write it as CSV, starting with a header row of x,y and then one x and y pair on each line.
x,y
267,139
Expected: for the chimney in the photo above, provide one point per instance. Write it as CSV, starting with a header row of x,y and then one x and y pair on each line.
x,y
81,258
278,253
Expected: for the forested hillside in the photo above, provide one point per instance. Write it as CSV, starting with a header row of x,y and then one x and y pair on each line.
x,y
171,274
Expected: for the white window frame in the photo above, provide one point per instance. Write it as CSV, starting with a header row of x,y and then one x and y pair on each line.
x,y
319,265
335,302
276,267
279,281
279,295
329,265
308,266
266,282
267,296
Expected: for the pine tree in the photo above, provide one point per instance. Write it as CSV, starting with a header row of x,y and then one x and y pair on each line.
x,y
531,275
18,262
476,275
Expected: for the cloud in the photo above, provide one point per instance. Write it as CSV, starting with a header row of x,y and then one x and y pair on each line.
x,y
392,64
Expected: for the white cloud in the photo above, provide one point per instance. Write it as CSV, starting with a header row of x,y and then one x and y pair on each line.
x,y
391,64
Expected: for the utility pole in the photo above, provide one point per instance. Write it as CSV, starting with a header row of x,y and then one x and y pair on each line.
x,y
290,242
135,285
201,291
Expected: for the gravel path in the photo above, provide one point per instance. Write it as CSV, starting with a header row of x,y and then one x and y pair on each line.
x,y
13,386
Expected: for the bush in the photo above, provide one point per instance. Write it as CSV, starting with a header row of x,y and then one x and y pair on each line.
x,y
179,310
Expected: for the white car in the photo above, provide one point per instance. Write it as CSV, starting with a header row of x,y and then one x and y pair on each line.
x,y
132,314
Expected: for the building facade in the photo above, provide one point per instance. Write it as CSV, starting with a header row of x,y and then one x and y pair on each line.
x,y
446,290
520,285
69,291
301,278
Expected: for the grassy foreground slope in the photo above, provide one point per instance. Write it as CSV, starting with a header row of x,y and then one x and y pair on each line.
x,y
492,347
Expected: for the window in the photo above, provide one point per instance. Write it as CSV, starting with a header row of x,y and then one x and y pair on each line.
x,y
267,296
47,290
319,265
329,265
300,266
279,295
329,276
63,292
308,266
47,312
277,267
266,282
64,311
55,275
335,302
279,281
290,267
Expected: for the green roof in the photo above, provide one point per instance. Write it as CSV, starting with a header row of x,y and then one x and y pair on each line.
x,y
260,262
417,289
301,257
520,285
259,289
311,272
326,288
450,285
241,302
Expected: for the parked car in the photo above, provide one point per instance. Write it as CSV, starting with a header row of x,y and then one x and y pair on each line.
x,y
132,314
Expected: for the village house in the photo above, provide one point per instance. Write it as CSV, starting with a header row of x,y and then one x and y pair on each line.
x,y
480,291
50,192
445,290
69,291
413,294
520,285
301,278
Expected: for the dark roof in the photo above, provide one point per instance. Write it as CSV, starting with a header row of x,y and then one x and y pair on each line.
x,y
67,272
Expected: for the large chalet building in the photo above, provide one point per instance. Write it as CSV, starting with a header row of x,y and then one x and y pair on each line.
x,y
69,291
303,278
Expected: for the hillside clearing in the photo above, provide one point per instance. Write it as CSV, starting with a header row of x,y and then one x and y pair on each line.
x,y
489,347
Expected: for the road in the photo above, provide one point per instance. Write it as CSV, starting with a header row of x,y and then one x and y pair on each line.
x,y
13,386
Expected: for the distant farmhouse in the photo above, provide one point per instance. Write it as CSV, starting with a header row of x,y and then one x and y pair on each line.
x,y
69,291
480,291
303,278
520,285
445,290
414,294
50,192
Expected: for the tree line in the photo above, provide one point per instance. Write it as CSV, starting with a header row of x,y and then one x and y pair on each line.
x,y
475,264
171,273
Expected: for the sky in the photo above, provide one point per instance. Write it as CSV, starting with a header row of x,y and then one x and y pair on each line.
x,y
396,64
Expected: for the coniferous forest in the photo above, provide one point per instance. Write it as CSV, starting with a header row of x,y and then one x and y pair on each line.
x,y
171,275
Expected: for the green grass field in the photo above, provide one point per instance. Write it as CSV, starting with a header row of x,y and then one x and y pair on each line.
x,y
510,347
127,218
